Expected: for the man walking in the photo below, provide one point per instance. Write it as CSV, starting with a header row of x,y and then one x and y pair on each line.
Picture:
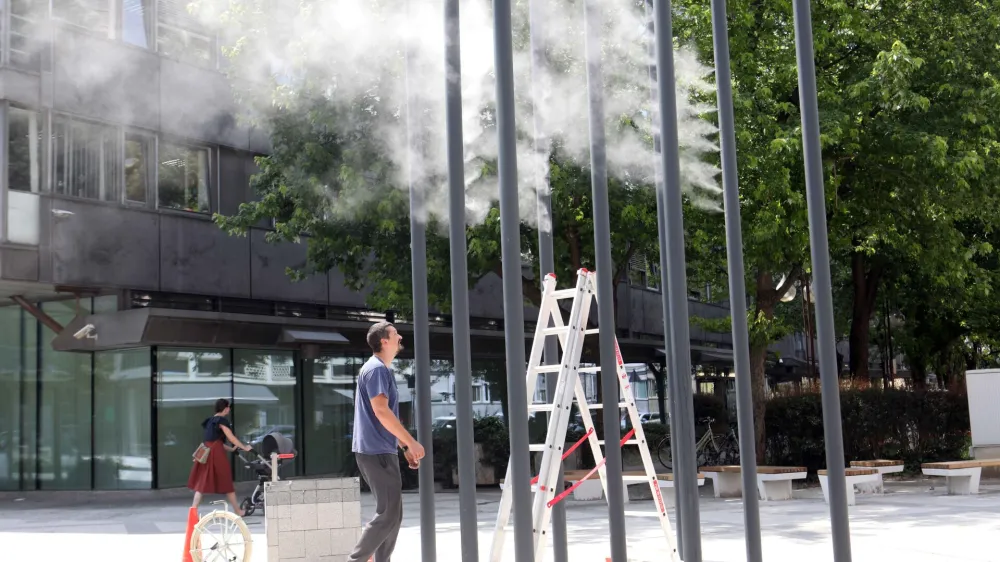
x,y
377,435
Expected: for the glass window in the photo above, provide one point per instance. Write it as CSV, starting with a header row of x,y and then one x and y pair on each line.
x,y
184,178
24,170
123,453
25,16
137,16
181,36
92,15
328,404
88,159
138,149
263,400
188,382
18,383
64,450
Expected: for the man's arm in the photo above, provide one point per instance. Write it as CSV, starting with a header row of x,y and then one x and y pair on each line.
x,y
385,415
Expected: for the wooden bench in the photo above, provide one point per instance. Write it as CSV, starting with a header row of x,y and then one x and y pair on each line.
x,y
592,489
773,482
855,477
883,467
961,477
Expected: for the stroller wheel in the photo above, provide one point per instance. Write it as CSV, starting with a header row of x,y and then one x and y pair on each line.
x,y
248,507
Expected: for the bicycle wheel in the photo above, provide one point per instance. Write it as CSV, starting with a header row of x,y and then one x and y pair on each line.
x,y
221,536
663,453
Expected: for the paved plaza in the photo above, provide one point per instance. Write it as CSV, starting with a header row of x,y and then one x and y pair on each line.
x,y
911,522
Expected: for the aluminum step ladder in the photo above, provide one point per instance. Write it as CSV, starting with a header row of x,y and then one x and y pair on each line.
x,y
571,336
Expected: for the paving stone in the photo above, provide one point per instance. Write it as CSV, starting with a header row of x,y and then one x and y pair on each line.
x,y
291,544
318,543
304,517
343,540
305,484
329,516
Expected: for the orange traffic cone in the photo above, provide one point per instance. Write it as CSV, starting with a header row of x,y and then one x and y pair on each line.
x,y
192,521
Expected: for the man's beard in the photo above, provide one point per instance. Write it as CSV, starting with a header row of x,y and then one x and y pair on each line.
x,y
401,348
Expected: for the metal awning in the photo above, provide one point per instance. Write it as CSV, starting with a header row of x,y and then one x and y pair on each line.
x,y
292,335
143,327
187,394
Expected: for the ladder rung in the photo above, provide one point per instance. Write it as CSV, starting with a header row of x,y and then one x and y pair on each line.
x,y
540,407
592,331
546,369
556,331
537,447
598,405
630,513
589,369
564,293
629,442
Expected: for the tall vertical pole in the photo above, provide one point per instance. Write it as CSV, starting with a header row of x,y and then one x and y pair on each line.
x,y
421,329
460,282
546,252
605,288
815,199
513,298
737,282
670,212
668,344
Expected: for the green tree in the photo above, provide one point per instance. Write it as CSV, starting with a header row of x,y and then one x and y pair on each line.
x,y
905,143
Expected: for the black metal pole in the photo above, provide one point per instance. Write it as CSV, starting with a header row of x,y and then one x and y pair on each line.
x,y
460,284
605,288
513,297
682,424
737,283
668,344
546,252
421,329
820,246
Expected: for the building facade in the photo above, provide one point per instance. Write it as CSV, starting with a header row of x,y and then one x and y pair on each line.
x,y
125,312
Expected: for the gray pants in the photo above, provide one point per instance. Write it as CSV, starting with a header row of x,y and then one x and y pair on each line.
x,y
379,536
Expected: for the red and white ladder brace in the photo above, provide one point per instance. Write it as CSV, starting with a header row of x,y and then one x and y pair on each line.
x,y
569,386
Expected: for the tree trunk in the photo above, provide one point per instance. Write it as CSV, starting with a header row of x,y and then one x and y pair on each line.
x,y
919,377
758,358
865,282
766,299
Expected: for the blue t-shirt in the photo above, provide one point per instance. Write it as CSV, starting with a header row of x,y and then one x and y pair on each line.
x,y
370,436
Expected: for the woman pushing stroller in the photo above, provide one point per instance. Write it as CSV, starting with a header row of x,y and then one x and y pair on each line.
x,y
211,472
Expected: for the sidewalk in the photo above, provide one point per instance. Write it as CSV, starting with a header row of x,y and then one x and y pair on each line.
x,y
909,523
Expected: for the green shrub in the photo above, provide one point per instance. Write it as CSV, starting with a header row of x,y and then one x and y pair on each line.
x,y
915,427
489,431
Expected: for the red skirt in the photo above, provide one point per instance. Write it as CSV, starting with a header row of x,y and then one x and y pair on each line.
x,y
216,475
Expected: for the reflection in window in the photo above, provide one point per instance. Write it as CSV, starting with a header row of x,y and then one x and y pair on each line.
x,y
24,157
92,15
183,178
137,18
123,455
18,376
181,36
329,414
25,44
64,450
188,382
138,149
88,159
263,401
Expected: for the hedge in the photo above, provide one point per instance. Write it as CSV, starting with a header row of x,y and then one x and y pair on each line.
x,y
912,426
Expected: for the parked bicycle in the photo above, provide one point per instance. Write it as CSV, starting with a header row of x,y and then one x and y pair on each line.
x,y
712,449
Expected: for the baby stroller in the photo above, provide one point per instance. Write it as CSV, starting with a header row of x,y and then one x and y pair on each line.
x,y
271,443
